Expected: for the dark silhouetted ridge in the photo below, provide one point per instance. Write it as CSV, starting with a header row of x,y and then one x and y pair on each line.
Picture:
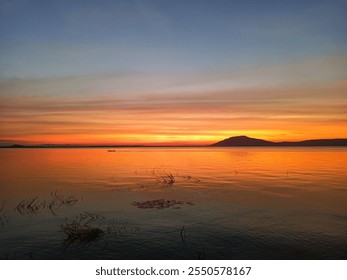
x,y
243,141
316,142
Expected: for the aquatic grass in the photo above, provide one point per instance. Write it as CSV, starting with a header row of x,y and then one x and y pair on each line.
x,y
81,234
33,205
182,234
30,206
3,219
199,249
2,206
80,231
165,178
61,200
116,229
201,253
83,230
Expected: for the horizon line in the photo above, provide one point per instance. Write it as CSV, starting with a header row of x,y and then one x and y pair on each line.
x,y
148,145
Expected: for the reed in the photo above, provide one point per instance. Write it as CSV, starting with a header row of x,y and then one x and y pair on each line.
x,y
81,234
201,253
33,205
198,248
61,200
116,229
3,219
166,178
182,234
80,231
2,206
30,206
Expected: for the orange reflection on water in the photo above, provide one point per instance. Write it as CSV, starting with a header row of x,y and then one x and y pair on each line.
x,y
266,177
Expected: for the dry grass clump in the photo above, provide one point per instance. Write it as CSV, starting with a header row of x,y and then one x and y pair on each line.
x,y
83,230
80,231
160,204
81,234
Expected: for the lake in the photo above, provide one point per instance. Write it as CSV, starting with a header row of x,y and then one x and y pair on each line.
x,y
173,203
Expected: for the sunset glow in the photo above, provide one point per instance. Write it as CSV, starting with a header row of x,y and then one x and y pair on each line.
x,y
164,73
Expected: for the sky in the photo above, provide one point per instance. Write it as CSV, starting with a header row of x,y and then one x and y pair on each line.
x,y
171,72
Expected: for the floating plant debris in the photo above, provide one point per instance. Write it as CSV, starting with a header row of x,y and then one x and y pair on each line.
x,y
160,204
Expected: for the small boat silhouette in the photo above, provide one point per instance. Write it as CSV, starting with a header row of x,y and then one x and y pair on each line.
x,y
111,151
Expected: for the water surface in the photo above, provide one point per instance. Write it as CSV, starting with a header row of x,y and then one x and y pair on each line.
x,y
235,203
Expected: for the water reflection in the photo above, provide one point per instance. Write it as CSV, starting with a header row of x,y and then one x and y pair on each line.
x,y
239,203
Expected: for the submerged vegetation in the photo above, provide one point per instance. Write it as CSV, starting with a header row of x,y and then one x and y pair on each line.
x,y
83,229
89,229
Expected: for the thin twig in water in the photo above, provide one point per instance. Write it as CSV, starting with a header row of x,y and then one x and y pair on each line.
x,y
201,253
182,237
3,205
3,219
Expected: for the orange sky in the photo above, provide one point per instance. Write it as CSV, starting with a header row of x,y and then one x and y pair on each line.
x,y
277,113
171,72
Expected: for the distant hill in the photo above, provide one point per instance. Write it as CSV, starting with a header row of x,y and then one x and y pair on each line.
x,y
244,141
316,142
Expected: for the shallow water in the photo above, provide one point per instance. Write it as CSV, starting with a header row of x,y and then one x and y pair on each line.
x,y
237,203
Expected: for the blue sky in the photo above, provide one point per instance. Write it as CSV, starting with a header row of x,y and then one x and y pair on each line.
x,y
69,38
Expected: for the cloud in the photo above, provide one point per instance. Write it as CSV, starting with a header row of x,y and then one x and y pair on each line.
x,y
296,99
212,115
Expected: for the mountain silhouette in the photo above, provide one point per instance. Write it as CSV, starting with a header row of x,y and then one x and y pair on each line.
x,y
244,141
